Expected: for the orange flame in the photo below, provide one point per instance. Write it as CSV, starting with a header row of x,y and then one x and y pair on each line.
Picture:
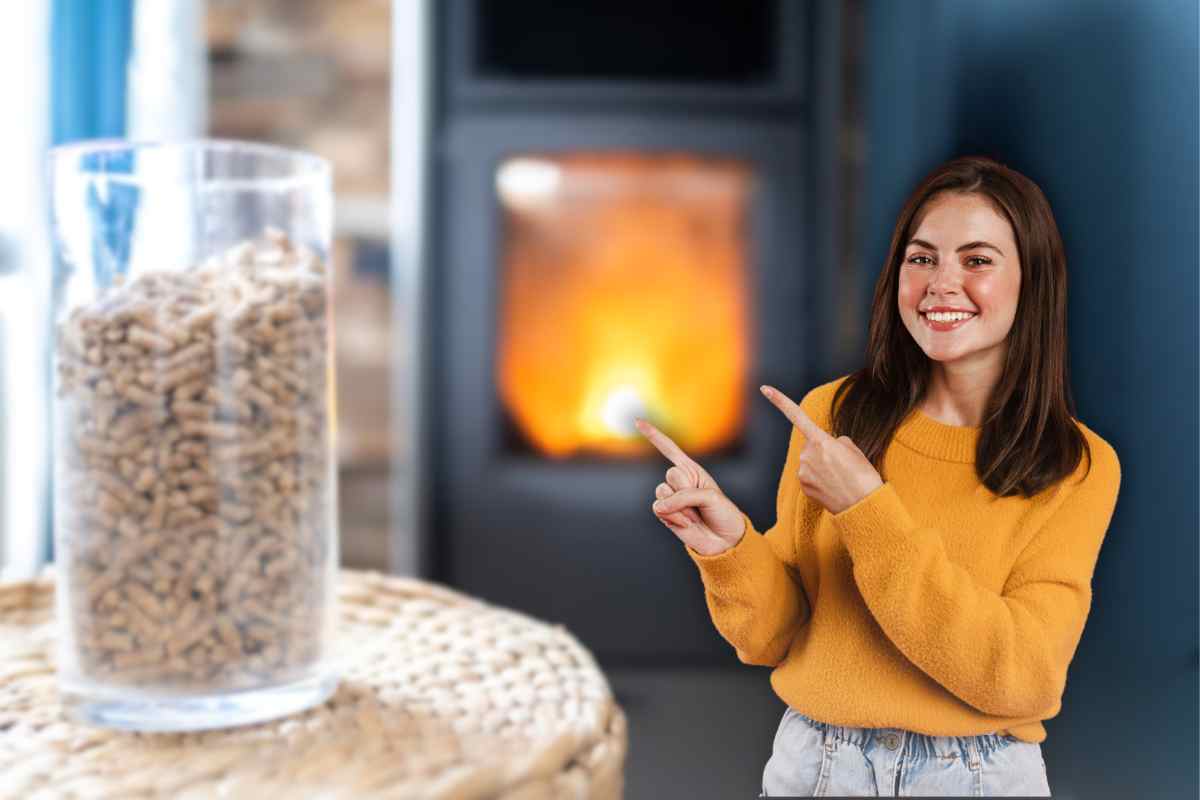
x,y
623,294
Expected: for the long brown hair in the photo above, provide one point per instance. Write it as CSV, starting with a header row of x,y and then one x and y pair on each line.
x,y
1028,438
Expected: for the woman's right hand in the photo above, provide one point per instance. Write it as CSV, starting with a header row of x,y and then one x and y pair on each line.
x,y
690,503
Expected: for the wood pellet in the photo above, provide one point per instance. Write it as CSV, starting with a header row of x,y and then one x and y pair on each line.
x,y
193,489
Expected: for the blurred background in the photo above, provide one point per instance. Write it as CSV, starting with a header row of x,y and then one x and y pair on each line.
x,y
551,218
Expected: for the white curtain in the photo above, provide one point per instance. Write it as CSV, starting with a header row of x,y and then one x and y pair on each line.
x,y
167,92
24,288
166,98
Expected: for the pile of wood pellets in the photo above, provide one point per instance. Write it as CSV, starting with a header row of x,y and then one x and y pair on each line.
x,y
195,494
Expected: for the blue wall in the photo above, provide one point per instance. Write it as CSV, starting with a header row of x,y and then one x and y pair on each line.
x,y
1097,102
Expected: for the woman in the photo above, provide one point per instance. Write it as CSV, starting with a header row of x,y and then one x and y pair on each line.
x,y
939,517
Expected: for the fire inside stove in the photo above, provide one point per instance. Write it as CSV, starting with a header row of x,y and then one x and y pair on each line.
x,y
624,293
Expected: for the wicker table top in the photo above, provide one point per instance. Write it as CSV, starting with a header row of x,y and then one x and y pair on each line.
x,y
442,696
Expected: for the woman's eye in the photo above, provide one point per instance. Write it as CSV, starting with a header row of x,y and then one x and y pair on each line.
x,y
973,260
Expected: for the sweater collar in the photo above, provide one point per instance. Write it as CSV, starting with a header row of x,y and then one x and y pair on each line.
x,y
926,435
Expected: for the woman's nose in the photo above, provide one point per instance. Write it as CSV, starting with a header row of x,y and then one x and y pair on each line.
x,y
945,279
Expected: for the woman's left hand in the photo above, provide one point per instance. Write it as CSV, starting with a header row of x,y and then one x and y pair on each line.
x,y
834,472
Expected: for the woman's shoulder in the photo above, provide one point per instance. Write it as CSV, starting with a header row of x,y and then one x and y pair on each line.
x,y
1103,455
819,400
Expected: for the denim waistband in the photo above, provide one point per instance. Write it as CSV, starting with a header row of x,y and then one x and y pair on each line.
x,y
916,745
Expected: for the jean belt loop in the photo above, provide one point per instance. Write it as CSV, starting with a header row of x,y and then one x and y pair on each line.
x,y
973,752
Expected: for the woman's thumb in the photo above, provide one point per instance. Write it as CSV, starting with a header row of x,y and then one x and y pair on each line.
x,y
685,498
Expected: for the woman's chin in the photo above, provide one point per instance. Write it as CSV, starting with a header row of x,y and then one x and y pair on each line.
x,y
944,354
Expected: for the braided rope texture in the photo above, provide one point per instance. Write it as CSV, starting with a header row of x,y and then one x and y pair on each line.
x,y
441,696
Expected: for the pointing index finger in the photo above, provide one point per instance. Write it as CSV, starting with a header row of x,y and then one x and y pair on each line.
x,y
664,444
793,412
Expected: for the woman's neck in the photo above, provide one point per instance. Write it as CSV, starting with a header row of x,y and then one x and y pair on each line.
x,y
957,397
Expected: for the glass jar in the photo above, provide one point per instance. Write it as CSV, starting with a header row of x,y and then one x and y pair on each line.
x,y
195,484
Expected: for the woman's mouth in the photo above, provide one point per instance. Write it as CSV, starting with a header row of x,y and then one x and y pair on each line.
x,y
953,323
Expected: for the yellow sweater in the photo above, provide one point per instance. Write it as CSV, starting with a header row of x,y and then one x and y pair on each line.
x,y
931,604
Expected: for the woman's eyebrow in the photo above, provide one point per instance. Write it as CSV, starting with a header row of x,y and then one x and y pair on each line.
x,y
967,246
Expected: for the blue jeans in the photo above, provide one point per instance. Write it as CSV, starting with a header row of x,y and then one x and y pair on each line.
x,y
817,759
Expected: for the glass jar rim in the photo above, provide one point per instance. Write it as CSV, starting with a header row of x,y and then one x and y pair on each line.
x,y
304,167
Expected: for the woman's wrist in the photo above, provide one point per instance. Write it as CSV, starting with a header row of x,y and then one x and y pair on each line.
x,y
722,546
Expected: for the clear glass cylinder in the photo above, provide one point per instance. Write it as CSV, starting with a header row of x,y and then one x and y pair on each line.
x,y
195,483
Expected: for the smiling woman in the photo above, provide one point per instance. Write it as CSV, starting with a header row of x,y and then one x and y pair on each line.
x,y
976,238
927,579
971,287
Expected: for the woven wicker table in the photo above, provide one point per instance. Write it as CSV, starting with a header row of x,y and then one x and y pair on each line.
x,y
442,696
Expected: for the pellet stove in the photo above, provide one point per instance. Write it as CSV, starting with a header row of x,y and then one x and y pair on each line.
x,y
628,210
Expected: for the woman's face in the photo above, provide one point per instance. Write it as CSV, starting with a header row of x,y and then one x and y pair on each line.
x,y
962,256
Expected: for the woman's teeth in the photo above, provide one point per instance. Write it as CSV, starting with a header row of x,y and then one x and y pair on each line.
x,y
946,321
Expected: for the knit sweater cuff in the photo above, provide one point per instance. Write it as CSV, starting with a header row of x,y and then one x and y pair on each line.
x,y
873,523
741,562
